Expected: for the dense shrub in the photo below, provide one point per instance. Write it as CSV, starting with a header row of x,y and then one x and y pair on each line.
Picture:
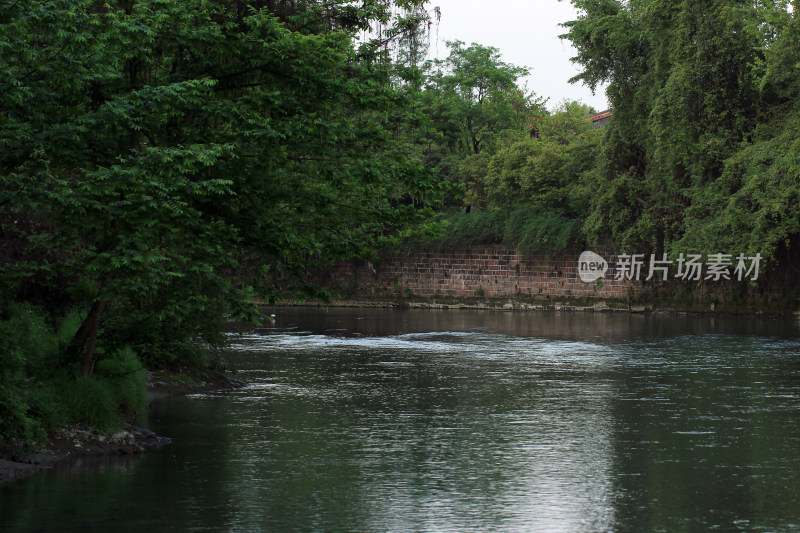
x,y
26,344
40,392
525,229
123,374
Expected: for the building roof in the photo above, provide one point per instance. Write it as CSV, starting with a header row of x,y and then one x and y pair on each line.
x,y
600,116
599,120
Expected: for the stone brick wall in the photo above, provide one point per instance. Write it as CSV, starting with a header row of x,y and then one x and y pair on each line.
x,y
491,272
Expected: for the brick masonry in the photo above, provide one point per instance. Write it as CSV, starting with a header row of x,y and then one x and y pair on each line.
x,y
491,272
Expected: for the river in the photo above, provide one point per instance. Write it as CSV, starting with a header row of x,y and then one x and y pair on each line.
x,y
421,420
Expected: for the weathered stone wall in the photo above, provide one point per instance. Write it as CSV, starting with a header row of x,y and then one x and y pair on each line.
x,y
491,272
479,275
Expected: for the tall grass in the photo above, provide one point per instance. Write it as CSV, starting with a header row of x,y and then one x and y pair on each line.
x,y
123,374
525,229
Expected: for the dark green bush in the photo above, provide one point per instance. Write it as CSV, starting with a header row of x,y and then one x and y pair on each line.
x,y
39,392
88,400
463,229
528,231
525,229
124,375
117,390
25,344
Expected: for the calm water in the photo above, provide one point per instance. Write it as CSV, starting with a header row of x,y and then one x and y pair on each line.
x,y
373,420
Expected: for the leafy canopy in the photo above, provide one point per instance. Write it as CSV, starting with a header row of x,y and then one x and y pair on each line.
x,y
176,156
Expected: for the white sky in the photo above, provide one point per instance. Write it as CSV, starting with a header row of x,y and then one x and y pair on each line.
x,y
526,33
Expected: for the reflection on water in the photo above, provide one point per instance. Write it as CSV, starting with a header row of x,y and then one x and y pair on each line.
x,y
452,430
372,420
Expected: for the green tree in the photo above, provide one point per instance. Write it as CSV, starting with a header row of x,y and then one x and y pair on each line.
x,y
750,205
475,98
567,122
683,81
168,159
543,172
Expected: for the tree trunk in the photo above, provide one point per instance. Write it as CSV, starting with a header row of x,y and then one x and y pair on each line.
x,y
86,336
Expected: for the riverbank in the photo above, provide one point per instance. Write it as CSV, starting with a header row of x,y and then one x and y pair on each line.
x,y
498,304
80,441
508,304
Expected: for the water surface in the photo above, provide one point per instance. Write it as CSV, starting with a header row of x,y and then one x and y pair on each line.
x,y
382,420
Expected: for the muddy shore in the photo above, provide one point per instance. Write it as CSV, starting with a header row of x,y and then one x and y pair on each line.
x,y
80,441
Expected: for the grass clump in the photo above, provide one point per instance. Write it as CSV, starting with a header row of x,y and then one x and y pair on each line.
x,y
527,230
524,229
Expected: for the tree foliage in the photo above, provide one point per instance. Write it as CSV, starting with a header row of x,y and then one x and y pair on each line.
x,y
546,172
163,160
691,84
475,104
478,96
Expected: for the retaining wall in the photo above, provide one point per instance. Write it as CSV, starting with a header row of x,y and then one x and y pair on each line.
x,y
491,272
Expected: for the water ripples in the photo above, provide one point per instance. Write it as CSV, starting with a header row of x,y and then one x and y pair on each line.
x,y
454,426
